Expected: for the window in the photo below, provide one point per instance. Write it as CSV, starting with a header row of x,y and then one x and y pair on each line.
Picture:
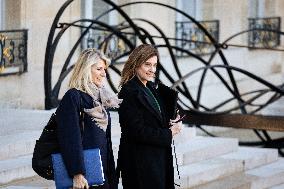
x,y
262,16
13,40
191,37
94,8
192,7
2,14
256,8
114,46
263,38
10,17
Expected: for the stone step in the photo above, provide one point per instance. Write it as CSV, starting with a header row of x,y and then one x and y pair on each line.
x,y
195,174
16,168
248,158
266,176
35,182
235,181
253,157
27,126
20,167
191,175
17,144
202,148
187,134
195,149
14,121
20,144
27,131
205,171
281,186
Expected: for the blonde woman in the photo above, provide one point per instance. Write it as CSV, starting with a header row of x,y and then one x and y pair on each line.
x,y
145,154
87,93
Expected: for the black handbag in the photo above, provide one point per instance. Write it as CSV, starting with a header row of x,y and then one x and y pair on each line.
x,y
46,145
169,97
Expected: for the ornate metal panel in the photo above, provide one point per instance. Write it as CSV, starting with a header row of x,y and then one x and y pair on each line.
x,y
112,45
13,52
190,37
263,36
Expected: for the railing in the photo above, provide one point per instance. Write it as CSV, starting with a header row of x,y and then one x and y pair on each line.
x,y
190,37
260,122
264,37
13,52
114,46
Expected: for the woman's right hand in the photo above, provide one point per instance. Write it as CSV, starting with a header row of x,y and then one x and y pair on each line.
x,y
79,182
175,126
175,129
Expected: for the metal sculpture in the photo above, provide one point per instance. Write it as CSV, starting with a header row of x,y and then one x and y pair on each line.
x,y
198,113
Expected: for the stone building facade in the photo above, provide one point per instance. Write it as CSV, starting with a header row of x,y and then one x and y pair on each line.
x,y
26,90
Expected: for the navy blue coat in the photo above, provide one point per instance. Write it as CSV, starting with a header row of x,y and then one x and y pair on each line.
x,y
72,143
145,154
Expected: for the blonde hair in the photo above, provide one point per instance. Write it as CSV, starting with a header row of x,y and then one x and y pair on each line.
x,y
137,57
82,75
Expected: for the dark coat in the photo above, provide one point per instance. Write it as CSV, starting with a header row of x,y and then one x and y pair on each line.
x,y
70,139
145,154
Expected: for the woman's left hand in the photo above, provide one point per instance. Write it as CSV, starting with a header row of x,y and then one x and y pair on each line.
x,y
79,182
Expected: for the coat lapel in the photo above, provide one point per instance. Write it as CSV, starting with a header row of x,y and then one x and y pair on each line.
x,y
144,98
154,91
146,101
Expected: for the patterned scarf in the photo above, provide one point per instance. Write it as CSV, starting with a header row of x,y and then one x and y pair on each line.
x,y
102,99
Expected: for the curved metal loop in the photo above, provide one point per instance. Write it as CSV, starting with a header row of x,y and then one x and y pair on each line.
x,y
130,27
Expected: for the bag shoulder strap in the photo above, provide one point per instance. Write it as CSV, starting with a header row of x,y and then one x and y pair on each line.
x,y
82,116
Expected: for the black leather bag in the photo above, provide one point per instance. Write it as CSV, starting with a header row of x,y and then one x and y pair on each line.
x,y
169,97
46,145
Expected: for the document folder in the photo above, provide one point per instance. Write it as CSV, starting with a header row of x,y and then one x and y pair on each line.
x,y
93,166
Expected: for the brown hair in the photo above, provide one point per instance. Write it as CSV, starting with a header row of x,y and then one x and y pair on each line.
x,y
137,57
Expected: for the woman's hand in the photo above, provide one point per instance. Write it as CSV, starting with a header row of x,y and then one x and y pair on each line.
x,y
175,126
79,181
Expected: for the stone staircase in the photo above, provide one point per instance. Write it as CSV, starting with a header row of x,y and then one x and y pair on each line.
x,y
204,162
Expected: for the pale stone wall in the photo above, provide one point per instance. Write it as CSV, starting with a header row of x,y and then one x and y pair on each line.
x,y
27,90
